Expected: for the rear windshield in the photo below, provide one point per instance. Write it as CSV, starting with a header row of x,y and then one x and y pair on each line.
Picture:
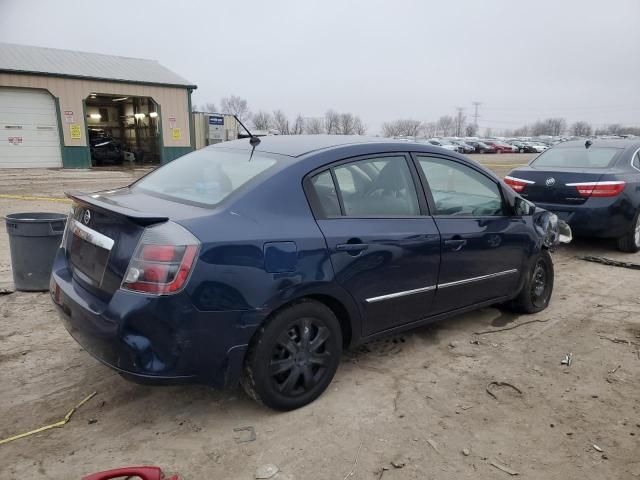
x,y
206,176
578,157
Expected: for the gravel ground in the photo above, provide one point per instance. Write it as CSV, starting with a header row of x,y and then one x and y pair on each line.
x,y
417,400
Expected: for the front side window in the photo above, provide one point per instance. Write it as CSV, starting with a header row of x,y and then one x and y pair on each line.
x,y
459,190
206,176
377,187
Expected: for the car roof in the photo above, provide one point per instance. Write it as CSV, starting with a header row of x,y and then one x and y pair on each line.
x,y
299,145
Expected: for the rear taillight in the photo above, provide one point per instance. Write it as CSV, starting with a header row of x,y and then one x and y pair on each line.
x,y
598,189
517,184
162,261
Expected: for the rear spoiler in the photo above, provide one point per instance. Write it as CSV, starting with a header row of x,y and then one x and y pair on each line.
x,y
96,201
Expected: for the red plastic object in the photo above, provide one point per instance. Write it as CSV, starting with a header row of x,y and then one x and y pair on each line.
x,y
145,473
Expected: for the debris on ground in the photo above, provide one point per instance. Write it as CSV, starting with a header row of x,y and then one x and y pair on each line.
x,y
567,359
60,423
501,384
146,473
611,372
433,445
597,448
398,463
511,327
91,421
380,472
250,436
6,290
266,471
355,463
610,262
504,468
466,452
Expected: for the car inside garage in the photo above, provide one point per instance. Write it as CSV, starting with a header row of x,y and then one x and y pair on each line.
x,y
123,130
29,129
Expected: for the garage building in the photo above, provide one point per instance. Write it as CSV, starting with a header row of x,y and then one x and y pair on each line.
x,y
62,108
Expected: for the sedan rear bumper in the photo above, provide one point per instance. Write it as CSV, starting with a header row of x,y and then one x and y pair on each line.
x,y
153,339
589,220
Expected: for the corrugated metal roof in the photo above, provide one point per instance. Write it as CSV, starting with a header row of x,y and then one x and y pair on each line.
x,y
53,61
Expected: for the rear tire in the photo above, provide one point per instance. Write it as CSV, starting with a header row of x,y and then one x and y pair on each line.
x,y
293,357
538,286
630,241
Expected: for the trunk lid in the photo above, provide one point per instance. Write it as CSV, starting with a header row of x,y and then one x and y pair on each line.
x,y
550,184
104,230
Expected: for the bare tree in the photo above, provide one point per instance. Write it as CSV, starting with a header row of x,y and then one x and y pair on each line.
x,y
549,126
523,131
195,108
314,126
280,122
359,128
430,129
614,129
402,128
446,125
346,124
488,132
459,122
470,130
298,126
210,107
581,129
262,120
332,122
235,105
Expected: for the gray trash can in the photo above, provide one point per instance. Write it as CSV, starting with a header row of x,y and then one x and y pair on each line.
x,y
34,239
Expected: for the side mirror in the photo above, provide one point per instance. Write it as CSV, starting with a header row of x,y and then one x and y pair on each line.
x,y
523,207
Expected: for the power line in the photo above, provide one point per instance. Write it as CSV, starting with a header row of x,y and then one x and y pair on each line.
x,y
476,115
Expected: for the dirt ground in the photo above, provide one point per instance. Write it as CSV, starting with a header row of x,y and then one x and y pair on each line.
x,y
418,400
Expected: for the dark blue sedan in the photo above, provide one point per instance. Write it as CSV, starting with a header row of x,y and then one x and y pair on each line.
x,y
593,185
260,263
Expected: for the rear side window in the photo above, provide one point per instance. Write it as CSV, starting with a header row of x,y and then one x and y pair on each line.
x,y
636,160
376,187
459,190
206,176
578,157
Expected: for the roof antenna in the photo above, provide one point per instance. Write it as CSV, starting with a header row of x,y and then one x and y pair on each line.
x,y
588,143
253,140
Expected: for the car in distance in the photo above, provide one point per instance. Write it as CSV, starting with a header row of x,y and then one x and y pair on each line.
x,y
447,145
481,147
500,147
259,260
594,186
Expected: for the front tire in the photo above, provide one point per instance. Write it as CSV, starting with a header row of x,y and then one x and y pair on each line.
x,y
630,241
294,356
538,286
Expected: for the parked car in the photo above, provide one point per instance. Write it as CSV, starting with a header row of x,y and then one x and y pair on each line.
x,y
499,147
593,185
103,148
464,147
482,147
260,263
520,145
535,147
445,144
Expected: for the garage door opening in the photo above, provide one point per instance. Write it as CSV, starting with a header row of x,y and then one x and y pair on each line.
x,y
123,130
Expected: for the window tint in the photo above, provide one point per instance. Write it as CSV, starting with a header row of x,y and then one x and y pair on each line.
x,y
593,157
206,176
636,160
326,194
380,187
460,190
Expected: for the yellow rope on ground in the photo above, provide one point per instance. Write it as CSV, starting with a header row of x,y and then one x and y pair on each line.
x,y
29,197
61,423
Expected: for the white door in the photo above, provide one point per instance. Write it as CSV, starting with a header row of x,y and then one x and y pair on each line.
x,y
28,129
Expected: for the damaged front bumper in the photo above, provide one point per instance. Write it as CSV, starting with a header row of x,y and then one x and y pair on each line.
x,y
552,230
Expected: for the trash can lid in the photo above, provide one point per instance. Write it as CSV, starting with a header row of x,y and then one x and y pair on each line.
x,y
35,217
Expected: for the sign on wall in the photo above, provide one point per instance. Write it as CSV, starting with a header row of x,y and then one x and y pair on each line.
x,y
76,131
176,133
216,128
15,140
172,122
68,116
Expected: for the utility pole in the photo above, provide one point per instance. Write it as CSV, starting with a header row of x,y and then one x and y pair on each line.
x,y
476,115
460,122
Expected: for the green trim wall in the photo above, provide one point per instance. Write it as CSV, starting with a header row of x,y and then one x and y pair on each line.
x,y
171,153
76,157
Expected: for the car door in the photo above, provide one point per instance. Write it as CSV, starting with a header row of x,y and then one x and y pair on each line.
x,y
384,247
483,245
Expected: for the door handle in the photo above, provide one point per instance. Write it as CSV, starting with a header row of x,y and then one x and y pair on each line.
x,y
455,244
352,247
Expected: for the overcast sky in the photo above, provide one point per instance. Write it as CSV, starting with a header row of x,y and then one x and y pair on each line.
x,y
524,60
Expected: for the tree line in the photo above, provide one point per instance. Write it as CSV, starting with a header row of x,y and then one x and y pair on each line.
x,y
347,123
332,122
